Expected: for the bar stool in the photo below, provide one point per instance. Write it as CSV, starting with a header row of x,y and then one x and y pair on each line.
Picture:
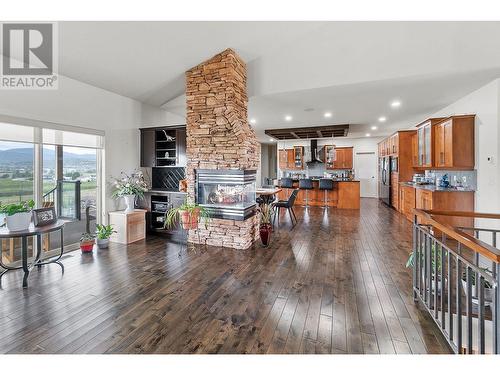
x,y
286,183
325,184
306,184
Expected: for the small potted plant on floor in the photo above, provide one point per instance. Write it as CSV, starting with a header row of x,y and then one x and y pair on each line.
x,y
129,187
87,241
103,232
189,214
410,263
18,215
265,227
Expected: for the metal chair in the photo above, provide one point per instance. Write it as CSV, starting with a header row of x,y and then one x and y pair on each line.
x,y
288,205
325,184
306,184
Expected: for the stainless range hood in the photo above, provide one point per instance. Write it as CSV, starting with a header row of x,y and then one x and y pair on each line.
x,y
313,154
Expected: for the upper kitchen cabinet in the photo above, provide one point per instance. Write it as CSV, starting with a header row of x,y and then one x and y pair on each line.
x,y
343,158
425,143
286,159
454,143
298,156
163,147
329,156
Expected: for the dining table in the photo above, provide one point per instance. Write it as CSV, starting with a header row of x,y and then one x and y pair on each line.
x,y
267,194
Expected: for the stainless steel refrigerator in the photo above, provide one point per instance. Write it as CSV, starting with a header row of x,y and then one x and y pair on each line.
x,y
385,180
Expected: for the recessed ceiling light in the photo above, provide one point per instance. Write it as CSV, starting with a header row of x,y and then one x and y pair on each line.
x,y
395,104
367,134
271,139
288,118
253,121
382,119
328,114
374,128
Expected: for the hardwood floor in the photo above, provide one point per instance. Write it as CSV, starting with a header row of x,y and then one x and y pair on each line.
x,y
336,283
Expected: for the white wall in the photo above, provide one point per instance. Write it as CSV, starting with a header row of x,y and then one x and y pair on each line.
x,y
484,103
78,104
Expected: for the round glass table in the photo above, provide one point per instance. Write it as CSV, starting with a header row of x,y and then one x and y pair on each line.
x,y
36,232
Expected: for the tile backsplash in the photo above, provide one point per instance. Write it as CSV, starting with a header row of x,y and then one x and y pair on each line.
x,y
471,177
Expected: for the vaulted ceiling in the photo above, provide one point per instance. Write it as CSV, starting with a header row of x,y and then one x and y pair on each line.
x,y
301,69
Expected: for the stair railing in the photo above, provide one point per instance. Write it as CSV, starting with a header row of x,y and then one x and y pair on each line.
x,y
456,276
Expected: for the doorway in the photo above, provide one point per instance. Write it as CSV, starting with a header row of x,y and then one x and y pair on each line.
x,y
366,173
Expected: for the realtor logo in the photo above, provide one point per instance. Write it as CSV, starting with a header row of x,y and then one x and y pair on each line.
x,y
29,59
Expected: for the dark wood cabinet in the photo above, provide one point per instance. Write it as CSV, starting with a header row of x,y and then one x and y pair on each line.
x,y
163,147
148,158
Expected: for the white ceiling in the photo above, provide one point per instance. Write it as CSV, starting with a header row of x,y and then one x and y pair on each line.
x,y
353,69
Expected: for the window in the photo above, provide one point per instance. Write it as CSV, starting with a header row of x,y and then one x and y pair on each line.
x,y
56,168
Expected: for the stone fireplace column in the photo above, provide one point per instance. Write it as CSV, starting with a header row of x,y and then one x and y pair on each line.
x,y
220,137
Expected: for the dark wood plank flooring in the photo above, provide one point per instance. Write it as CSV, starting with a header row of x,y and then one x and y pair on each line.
x,y
336,283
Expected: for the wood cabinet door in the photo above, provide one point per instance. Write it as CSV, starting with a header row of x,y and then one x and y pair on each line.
x,y
414,149
423,199
180,143
348,158
448,144
148,147
339,159
329,159
290,161
282,159
439,145
428,147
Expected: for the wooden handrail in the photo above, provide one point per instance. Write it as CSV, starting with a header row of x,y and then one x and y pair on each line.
x,y
462,214
465,239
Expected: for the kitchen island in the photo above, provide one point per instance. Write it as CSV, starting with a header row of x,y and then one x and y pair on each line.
x,y
345,194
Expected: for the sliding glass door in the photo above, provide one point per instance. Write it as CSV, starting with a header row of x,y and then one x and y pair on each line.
x,y
56,168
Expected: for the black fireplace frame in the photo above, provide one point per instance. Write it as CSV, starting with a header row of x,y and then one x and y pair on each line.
x,y
226,176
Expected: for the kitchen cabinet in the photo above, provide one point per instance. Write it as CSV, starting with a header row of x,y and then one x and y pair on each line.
x,y
286,159
298,157
282,159
329,156
395,190
454,143
423,199
163,147
343,158
148,158
424,145
407,201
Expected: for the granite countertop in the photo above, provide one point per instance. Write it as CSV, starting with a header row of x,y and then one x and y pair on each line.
x,y
434,187
334,179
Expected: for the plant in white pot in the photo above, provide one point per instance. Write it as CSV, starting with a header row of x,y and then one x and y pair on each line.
x,y
18,215
129,187
103,232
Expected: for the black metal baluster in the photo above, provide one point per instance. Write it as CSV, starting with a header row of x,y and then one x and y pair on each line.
x,y
436,278
443,323
429,269
480,338
458,291
450,297
469,309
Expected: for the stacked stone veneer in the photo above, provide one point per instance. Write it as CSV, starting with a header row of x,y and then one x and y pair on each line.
x,y
220,137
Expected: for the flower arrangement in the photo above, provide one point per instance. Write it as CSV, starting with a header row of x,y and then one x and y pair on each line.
x,y
133,184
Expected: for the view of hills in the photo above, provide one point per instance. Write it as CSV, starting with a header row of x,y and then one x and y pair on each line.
x,y
23,156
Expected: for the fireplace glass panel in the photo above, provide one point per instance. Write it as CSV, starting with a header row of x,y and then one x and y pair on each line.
x,y
227,194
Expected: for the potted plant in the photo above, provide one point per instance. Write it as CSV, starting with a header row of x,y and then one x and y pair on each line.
x,y
129,187
87,242
189,215
411,262
265,227
103,232
488,288
18,215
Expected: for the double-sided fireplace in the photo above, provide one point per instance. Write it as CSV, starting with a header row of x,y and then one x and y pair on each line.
x,y
226,193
